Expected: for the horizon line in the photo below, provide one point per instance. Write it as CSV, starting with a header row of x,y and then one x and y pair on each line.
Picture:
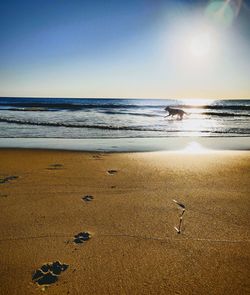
x,y
173,98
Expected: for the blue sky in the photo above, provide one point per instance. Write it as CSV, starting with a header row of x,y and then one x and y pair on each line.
x,y
121,49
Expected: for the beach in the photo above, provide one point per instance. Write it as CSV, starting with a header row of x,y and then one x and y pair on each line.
x,y
124,201
125,148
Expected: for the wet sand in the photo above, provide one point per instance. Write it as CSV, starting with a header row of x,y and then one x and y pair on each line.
x,y
129,144
95,223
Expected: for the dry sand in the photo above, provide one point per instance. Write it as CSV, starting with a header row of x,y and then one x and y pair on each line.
x,y
134,248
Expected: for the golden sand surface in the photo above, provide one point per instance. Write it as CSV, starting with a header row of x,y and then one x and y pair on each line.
x,y
134,248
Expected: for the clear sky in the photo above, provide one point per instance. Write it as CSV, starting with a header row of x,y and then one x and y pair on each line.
x,y
134,49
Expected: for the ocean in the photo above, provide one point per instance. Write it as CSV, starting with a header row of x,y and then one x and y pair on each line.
x,y
121,118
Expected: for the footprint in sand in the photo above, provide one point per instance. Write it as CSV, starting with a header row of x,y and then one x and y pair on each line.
x,y
3,196
97,157
112,172
8,178
88,198
82,237
49,273
55,167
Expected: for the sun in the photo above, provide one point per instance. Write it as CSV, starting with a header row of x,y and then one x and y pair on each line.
x,y
194,45
200,44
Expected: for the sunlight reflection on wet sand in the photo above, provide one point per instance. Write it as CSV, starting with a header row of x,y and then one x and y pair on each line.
x,y
194,147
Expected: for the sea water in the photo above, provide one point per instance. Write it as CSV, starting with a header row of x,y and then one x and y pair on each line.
x,y
121,118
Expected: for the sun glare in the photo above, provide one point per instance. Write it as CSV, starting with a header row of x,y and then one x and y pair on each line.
x,y
197,101
194,44
200,44
195,147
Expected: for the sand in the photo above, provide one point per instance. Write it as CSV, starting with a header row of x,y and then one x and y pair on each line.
x,y
133,247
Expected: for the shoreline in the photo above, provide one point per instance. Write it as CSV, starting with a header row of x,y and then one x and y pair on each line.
x,y
119,145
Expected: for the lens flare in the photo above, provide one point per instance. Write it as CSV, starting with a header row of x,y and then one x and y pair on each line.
x,y
223,12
